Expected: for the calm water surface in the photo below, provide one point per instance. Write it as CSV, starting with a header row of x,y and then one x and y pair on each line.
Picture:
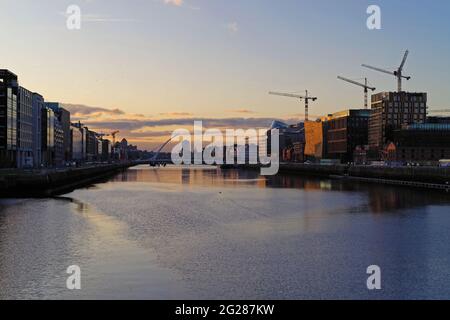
x,y
191,233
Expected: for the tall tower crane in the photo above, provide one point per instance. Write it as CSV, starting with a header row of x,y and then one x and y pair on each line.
x,y
306,98
398,73
364,85
113,135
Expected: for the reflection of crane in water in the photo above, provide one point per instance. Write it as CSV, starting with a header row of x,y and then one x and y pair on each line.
x,y
154,162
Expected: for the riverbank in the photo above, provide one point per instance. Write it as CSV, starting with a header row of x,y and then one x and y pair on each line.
x,y
50,182
422,177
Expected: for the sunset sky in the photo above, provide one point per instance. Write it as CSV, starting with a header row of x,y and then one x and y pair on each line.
x,y
146,67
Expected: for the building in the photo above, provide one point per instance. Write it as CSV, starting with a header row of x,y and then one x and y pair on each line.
x,y
438,119
316,139
360,155
347,130
63,117
91,145
24,157
423,143
38,106
78,143
106,150
8,118
293,153
288,136
59,151
123,149
389,112
47,136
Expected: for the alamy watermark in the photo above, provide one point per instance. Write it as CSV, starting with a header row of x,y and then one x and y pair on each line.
x,y
235,146
73,14
374,280
374,20
73,282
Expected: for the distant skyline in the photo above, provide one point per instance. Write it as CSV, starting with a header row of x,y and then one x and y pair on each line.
x,y
146,67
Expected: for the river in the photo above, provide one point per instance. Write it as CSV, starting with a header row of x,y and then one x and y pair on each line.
x,y
206,233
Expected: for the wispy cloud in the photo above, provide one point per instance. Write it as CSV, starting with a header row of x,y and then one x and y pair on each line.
x,y
83,110
94,17
176,114
246,111
104,18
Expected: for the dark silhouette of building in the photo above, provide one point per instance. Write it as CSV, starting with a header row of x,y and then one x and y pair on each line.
x,y
38,105
24,128
423,143
91,145
48,136
8,118
347,130
63,117
59,143
438,119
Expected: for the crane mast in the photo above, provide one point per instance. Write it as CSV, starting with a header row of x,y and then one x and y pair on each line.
x,y
364,85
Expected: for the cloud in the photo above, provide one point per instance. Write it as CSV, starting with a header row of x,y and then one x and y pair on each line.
x,y
82,110
135,124
150,132
176,114
104,18
242,111
233,27
177,3
302,116
94,17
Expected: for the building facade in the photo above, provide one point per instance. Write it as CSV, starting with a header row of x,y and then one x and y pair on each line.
x,y
24,128
389,112
316,139
8,118
78,143
47,136
38,106
347,130
63,117
59,152
438,119
106,150
423,143
91,145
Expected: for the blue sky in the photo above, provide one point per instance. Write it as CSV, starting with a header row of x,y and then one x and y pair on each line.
x,y
218,59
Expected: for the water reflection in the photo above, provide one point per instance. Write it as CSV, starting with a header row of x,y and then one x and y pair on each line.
x,y
229,234
382,198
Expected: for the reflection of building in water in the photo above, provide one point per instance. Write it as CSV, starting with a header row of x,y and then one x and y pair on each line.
x,y
383,198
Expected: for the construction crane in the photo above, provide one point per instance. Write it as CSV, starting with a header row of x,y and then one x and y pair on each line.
x,y
306,97
398,73
364,85
113,135
100,135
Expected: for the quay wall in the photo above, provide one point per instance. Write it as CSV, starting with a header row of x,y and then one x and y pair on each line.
x,y
47,182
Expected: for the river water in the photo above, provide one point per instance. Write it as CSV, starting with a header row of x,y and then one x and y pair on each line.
x,y
206,233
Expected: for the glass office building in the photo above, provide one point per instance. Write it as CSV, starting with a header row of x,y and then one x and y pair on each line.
x,y
8,118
